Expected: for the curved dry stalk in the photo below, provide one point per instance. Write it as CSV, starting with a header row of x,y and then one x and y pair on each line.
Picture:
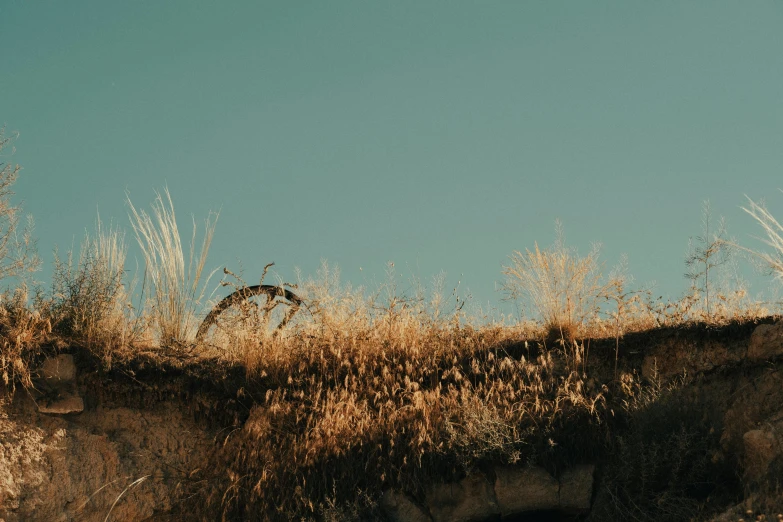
x,y
774,231
127,488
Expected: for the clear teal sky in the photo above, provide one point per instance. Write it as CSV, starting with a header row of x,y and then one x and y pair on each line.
x,y
439,135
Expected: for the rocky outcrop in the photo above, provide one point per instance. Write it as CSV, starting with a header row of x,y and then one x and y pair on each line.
x,y
398,507
74,467
762,447
469,500
57,370
514,491
525,489
53,469
766,342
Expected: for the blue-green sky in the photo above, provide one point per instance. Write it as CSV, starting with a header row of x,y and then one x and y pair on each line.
x,y
438,135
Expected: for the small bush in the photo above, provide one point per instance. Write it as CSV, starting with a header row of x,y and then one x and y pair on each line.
x,y
90,302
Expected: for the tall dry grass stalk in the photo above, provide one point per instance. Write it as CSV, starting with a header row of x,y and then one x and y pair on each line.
x,y
774,232
176,287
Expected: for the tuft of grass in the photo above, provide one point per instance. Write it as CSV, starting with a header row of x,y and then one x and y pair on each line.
x,y
176,286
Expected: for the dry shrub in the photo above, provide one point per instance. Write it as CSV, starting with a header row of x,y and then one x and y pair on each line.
x,y
564,289
22,332
90,300
17,254
21,329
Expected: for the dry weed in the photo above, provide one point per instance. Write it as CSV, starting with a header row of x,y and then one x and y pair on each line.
x,y
90,303
22,332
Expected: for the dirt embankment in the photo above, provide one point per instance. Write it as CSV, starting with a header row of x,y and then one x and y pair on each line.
x,y
139,442
127,443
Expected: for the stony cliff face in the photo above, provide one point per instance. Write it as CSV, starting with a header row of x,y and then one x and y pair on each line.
x,y
137,443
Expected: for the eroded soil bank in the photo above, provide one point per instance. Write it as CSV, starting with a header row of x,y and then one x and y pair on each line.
x,y
137,445
145,440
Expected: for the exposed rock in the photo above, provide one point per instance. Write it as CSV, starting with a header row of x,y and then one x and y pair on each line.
x,y
519,490
471,499
757,401
762,446
60,368
399,508
58,387
576,489
766,342
67,404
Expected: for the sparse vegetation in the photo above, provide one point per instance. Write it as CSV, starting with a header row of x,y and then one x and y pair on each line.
x,y
709,251
387,390
774,232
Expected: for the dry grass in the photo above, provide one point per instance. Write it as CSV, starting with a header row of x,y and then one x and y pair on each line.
x,y
383,391
564,290
22,333
404,399
91,299
176,288
380,388
22,330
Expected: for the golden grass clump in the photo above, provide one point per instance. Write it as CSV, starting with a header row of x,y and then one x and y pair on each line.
x,y
564,290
